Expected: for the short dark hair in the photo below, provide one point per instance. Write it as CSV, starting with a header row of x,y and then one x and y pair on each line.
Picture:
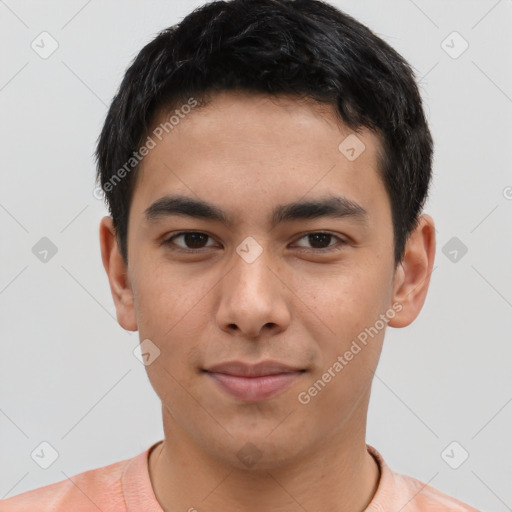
x,y
305,48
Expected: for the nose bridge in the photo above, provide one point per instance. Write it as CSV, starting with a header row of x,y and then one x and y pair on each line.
x,y
251,274
251,295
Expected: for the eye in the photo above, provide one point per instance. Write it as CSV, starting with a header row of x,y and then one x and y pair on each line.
x,y
195,241
321,241
192,240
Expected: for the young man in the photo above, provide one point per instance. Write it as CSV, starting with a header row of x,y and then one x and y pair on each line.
x,y
265,163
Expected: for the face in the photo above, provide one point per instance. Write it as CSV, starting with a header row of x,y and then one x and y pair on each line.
x,y
250,280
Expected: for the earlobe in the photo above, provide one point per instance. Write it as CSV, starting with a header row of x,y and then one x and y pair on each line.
x,y
117,273
412,276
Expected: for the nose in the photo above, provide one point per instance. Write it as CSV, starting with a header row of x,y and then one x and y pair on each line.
x,y
253,298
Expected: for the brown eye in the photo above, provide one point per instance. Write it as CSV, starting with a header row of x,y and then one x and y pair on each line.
x,y
321,241
191,240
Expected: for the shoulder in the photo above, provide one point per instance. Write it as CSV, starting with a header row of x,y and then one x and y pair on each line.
x,y
90,490
426,498
407,494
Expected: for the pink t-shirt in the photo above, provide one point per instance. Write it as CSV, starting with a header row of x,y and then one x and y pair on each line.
x,y
125,486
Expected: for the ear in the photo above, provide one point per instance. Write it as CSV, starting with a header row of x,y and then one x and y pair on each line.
x,y
117,273
412,276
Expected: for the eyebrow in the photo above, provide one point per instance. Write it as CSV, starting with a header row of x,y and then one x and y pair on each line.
x,y
330,206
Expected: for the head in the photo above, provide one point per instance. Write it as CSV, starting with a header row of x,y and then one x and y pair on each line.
x,y
305,134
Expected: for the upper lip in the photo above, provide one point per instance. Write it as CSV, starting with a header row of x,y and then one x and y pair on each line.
x,y
241,369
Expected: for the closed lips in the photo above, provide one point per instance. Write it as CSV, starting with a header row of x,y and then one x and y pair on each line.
x,y
240,369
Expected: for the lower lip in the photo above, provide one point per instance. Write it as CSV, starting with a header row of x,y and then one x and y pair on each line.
x,y
254,389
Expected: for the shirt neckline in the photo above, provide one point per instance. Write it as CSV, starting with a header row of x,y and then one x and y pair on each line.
x,y
139,494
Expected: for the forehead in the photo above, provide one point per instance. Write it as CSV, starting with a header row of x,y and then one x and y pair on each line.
x,y
243,146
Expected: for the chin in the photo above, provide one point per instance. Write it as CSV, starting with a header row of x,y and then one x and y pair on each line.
x,y
253,451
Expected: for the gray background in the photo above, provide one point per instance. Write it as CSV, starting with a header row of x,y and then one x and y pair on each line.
x,y
68,373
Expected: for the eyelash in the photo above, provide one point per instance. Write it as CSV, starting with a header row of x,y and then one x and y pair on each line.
x,y
335,247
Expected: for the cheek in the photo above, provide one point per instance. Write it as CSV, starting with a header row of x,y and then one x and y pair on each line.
x,y
173,313
165,296
347,300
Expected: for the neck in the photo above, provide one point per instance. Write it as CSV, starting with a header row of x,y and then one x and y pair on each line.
x,y
185,477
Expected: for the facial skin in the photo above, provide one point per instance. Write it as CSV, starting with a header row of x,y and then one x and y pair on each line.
x,y
297,303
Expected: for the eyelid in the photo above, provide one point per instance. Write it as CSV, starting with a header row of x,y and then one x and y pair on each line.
x,y
168,240
340,241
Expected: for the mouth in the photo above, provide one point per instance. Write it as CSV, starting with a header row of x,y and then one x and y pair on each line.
x,y
253,383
